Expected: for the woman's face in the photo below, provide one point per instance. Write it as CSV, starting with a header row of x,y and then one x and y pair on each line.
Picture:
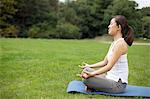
x,y
113,28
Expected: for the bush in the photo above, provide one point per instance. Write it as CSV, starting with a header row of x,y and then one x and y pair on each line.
x,y
33,31
68,31
10,31
51,32
42,30
146,27
65,31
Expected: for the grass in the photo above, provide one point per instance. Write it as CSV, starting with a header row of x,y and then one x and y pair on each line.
x,y
40,68
142,40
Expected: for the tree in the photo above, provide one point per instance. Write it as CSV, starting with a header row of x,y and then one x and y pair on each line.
x,y
90,16
126,8
145,11
8,10
146,27
35,12
145,22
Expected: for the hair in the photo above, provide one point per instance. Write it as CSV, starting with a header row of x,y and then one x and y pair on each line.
x,y
126,30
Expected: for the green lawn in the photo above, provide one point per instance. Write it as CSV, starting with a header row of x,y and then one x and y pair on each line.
x,y
40,68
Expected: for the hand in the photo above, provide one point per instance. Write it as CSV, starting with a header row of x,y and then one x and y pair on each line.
x,y
83,75
84,65
89,74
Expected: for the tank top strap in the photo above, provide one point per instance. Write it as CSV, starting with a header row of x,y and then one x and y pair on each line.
x,y
115,42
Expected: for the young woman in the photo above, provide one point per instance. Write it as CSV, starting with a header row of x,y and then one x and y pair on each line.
x,y
115,64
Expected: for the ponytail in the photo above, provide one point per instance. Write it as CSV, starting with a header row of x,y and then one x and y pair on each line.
x,y
129,35
126,30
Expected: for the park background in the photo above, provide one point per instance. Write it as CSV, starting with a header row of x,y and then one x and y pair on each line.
x,y
70,19
43,42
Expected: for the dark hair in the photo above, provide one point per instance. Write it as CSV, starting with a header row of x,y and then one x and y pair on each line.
x,y
126,30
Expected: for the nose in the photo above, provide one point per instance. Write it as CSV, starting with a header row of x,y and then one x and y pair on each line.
x,y
108,26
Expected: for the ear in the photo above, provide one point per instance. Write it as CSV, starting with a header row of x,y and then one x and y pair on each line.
x,y
119,27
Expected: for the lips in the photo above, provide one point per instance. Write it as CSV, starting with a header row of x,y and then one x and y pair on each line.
x,y
109,31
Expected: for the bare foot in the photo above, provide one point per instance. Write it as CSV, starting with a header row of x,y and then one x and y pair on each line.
x,y
83,75
89,90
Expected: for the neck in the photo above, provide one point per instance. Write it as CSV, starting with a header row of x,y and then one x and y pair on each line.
x,y
116,37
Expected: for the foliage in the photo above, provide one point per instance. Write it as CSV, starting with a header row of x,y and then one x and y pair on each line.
x,y
42,30
10,31
32,12
145,22
146,27
33,31
88,17
7,10
68,31
126,8
145,11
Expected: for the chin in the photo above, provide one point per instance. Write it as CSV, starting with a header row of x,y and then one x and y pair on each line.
x,y
109,33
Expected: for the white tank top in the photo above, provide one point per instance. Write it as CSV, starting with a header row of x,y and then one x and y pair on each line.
x,y
120,68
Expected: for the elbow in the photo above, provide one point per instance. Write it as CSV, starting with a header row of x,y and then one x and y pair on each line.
x,y
109,68
105,63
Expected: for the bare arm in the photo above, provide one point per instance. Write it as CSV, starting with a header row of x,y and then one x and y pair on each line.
x,y
119,49
100,64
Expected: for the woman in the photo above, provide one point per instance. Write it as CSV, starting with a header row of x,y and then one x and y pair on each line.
x,y
115,63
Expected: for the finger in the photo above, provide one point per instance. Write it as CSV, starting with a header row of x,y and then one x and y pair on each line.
x,y
79,66
79,75
82,67
83,63
86,72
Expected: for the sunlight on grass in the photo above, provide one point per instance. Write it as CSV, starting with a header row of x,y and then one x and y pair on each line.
x,y
40,68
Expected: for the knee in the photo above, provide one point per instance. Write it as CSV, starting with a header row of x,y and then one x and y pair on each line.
x,y
85,81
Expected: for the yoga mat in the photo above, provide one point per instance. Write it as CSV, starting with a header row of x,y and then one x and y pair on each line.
x,y
79,87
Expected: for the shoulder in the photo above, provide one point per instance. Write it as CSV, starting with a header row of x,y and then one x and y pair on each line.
x,y
121,46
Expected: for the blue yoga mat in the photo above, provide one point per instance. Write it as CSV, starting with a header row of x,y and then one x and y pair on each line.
x,y
79,87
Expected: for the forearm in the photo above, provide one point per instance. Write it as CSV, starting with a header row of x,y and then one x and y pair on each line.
x,y
99,64
97,72
109,65
102,70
